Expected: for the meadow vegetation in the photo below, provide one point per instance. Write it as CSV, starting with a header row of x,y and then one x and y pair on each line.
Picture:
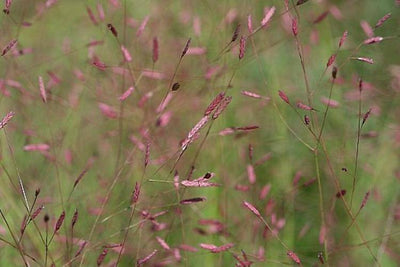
x,y
199,133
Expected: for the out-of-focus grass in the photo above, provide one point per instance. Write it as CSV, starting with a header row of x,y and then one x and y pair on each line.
x,y
72,122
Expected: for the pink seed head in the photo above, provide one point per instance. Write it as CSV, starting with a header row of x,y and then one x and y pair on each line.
x,y
216,101
221,107
249,24
294,257
283,96
382,20
331,60
101,257
59,222
303,106
9,46
343,39
142,26
373,40
242,47
125,52
155,49
42,90
235,33
6,119
252,208
295,29
91,15
268,16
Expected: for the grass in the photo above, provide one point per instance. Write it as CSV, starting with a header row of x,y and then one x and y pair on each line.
x,y
113,166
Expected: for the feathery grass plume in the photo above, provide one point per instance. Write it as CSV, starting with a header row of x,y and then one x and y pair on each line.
x,y
369,32
343,38
268,16
74,218
54,78
80,176
208,246
221,107
365,117
7,6
303,106
127,55
6,119
99,64
127,93
200,183
100,11
373,40
251,175
155,49
101,257
91,15
330,102
216,101
9,46
242,47
382,20
295,29
108,111
42,90
321,17
36,212
147,155
252,208
142,26
135,193
194,131
196,51
249,24
264,191
192,200
331,60
163,243
251,94
59,222
283,96
216,249
365,199
175,87
363,59
185,49
235,33
95,43
112,29
294,257
37,147
187,248
147,258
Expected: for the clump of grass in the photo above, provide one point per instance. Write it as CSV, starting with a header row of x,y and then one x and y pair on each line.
x,y
158,140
